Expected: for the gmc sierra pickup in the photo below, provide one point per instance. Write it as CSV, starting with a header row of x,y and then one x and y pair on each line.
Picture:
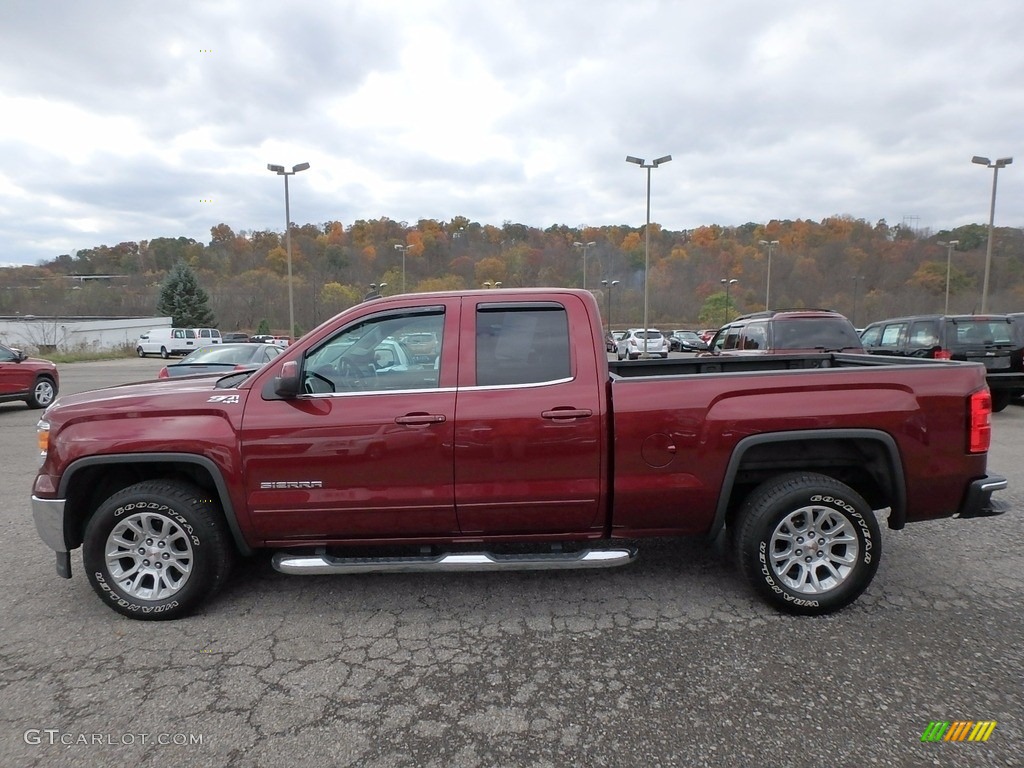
x,y
515,444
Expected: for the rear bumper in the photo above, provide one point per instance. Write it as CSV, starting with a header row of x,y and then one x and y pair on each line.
x,y
979,502
1002,381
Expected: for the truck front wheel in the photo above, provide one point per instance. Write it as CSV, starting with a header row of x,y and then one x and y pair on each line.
x,y
157,549
808,544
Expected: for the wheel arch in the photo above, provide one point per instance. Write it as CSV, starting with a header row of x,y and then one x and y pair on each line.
x,y
91,480
867,460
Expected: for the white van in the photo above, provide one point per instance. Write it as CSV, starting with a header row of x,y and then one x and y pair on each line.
x,y
207,336
167,341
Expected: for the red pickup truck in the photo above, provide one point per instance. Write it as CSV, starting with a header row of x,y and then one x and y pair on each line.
x,y
519,445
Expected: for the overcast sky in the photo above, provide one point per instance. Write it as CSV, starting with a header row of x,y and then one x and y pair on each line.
x,y
134,119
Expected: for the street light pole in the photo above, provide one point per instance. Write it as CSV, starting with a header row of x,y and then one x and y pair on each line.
x,y
949,259
1002,162
489,284
584,246
727,283
768,282
647,233
280,171
608,300
403,249
856,284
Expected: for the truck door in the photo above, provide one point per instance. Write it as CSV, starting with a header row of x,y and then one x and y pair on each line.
x,y
366,452
528,430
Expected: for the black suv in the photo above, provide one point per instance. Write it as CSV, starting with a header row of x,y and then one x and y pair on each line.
x,y
991,340
786,331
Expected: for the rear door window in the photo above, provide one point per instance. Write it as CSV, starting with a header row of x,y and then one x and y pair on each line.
x,y
755,336
923,334
526,345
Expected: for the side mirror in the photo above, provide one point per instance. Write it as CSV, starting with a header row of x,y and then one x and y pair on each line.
x,y
287,385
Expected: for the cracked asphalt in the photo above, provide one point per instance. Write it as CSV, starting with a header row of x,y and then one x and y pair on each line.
x,y
671,661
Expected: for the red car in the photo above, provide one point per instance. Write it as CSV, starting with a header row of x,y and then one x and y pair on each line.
x,y
26,378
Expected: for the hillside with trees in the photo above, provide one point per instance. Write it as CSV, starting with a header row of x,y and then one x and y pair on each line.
x,y
867,271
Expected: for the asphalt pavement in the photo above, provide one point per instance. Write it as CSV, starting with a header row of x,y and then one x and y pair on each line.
x,y
669,662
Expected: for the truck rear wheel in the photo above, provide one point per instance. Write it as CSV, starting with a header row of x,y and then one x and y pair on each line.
x,y
808,544
157,549
1000,400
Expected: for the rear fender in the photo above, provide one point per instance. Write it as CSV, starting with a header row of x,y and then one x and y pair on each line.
x,y
885,468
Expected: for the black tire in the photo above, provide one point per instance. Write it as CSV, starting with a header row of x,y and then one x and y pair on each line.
x,y
157,550
164,353
1001,399
140,352
44,390
808,577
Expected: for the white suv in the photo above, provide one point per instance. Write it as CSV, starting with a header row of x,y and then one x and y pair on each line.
x,y
634,344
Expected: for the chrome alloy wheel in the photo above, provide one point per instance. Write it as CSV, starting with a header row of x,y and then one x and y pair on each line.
x,y
814,549
149,556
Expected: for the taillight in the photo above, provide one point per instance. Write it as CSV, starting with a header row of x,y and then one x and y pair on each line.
x,y
979,427
163,374
942,354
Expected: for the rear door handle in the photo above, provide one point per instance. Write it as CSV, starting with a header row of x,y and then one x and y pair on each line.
x,y
567,414
421,418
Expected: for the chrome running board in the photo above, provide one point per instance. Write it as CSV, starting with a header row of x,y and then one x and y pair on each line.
x,y
322,564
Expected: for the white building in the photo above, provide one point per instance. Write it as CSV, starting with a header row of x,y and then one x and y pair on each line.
x,y
47,334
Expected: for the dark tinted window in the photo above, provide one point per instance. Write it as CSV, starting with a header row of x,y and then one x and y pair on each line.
x,y
521,346
923,334
755,336
815,333
982,331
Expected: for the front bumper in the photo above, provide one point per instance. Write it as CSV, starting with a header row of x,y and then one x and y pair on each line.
x,y
49,518
979,502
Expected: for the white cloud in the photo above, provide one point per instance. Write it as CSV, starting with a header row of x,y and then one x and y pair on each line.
x,y
122,116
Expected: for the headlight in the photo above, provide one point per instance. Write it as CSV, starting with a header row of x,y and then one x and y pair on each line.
x,y
43,438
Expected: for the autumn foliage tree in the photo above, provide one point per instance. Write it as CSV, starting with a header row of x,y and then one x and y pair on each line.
x,y
869,270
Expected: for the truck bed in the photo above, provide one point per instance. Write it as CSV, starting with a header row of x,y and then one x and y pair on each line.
x,y
688,366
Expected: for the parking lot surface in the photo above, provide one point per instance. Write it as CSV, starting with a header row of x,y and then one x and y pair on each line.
x,y
669,662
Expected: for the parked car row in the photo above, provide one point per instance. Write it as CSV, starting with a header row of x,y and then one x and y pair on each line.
x,y
169,342
995,341
175,341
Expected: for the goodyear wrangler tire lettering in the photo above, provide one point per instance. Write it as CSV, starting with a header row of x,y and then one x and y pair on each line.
x,y
808,543
157,549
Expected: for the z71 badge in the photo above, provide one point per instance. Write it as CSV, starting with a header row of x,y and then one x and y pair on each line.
x,y
226,399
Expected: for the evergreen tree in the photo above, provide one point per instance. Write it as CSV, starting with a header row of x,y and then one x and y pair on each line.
x,y
182,298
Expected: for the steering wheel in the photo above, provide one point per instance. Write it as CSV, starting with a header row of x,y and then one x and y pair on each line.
x,y
351,375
